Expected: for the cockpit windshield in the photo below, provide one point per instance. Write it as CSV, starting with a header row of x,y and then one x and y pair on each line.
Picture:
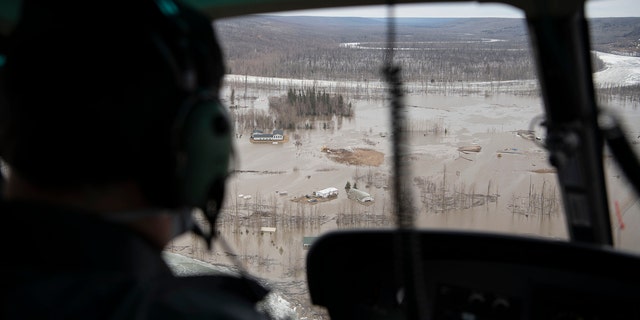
x,y
311,110
358,118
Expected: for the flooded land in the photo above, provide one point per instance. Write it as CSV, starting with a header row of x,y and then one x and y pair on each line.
x,y
474,156
476,163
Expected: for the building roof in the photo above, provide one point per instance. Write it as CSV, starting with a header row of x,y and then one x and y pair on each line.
x,y
330,189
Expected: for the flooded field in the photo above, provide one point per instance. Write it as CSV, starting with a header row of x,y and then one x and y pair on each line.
x,y
474,165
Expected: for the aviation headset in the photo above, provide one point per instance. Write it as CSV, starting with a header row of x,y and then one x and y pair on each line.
x,y
200,148
201,137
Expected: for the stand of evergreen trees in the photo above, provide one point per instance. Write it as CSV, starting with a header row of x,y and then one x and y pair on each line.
x,y
298,109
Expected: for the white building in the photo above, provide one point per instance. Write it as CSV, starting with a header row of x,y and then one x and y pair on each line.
x,y
326,193
277,135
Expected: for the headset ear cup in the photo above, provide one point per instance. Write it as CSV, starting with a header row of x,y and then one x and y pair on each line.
x,y
204,154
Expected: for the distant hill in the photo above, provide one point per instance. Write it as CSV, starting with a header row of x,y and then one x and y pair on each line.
x,y
616,35
435,49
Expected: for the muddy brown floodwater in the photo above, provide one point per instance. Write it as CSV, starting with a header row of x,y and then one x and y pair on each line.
x,y
474,165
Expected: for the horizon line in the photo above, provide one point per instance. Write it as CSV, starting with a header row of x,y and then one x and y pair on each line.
x,y
593,9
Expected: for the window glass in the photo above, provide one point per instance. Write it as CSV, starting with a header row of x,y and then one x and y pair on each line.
x,y
314,143
615,43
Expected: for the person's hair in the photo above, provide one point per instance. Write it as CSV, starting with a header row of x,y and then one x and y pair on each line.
x,y
90,98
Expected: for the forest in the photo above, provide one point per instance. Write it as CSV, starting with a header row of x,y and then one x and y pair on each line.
x,y
429,50
437,55
300,108
350,49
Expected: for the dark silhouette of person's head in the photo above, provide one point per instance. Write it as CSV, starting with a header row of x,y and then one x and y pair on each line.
x,y
91,92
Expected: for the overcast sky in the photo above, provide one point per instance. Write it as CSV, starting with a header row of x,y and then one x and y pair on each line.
x,y
595,8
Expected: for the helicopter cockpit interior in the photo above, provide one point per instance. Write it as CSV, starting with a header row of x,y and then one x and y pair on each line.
x,y
407,272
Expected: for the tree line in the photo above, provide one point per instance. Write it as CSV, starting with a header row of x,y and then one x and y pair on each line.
x,y
435,53
298,109
311,102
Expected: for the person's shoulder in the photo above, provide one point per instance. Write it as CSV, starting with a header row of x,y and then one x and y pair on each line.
x,y
206,297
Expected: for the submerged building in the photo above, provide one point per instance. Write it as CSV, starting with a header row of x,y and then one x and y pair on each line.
x,y
276,135
359,195
326,193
